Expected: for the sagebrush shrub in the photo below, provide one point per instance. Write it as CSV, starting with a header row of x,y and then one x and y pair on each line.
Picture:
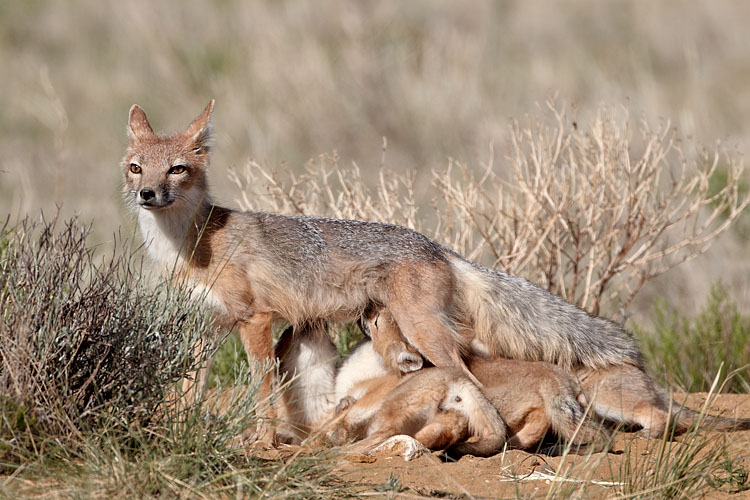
x,y
82,341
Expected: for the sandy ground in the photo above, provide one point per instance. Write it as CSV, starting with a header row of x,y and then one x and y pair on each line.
x,y
517,473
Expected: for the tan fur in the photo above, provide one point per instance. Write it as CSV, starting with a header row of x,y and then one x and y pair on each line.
x,y
535,397
388,342
398,356
257,268
532,398
414,405
627,395
542,397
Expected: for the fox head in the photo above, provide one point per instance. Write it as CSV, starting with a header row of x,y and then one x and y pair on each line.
x,y
167,172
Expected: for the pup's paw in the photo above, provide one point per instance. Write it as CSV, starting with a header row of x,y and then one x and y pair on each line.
x,y
344,403
409,362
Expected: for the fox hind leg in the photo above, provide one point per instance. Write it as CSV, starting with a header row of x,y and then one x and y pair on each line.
x,y
535,427
444,430
425,327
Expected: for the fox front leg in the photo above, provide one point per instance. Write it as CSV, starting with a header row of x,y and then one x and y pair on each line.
x,y
257,340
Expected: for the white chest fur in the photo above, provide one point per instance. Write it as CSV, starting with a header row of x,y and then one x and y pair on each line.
x,y
164,237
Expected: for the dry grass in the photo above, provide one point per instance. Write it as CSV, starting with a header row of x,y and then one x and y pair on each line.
x,y
292,80
437,79
592,211
82,340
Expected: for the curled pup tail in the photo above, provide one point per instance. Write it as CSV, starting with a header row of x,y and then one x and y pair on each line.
x,y
568,420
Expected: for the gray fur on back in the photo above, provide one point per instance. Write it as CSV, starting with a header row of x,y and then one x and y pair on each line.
x,y
316,268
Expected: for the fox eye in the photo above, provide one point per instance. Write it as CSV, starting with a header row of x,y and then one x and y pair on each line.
x,y
135,168
177,169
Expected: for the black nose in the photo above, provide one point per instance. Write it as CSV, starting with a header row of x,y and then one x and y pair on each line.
x,y
147,194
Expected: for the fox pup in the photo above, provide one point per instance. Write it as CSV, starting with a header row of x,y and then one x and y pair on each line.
x,y
312,383
531,398
256,268
439,407
622,394
394,356
307,364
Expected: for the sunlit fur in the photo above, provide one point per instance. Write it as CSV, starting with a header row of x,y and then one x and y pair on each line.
x,y
540,395
531,398
360,365
415,405
258,268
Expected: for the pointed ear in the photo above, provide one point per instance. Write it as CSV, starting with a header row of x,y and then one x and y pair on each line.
x,y
200,132
138,126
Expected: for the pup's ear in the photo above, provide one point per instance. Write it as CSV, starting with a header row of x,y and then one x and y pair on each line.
x,y
138,126
200,132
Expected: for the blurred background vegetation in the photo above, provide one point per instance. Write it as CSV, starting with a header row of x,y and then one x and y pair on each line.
x,y
293,80
441,80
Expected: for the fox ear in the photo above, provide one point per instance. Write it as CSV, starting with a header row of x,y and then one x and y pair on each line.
x,y
201,130
138,126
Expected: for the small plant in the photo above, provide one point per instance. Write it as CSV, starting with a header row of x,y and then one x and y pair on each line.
x,y
666,469
391,484
731,476
690,351
81,341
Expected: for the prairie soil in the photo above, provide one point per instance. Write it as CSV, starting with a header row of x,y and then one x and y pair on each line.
x,y
526,475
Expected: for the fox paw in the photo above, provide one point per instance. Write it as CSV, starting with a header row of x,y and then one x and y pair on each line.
x,y
409,362
344,403
405,446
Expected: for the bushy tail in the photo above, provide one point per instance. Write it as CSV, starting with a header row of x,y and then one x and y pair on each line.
x,y
682,418
517,319
685,418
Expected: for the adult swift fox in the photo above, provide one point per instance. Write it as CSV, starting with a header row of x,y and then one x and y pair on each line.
x,y
256,268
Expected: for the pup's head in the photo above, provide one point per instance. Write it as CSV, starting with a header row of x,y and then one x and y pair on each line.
x,y
456,398
163,172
